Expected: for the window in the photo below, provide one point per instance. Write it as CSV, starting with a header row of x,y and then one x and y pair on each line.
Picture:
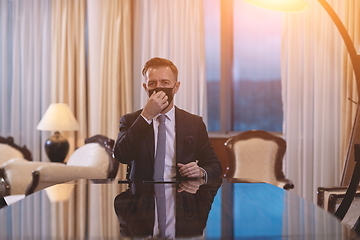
x,y
249,90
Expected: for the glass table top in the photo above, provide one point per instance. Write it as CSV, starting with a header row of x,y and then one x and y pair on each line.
x,y
219,209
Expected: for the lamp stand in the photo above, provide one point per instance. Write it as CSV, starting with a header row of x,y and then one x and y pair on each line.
x,y
57,147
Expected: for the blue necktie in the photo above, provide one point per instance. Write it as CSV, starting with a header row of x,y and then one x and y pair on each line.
x,y
159,164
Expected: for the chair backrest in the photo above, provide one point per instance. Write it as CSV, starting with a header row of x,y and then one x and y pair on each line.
x,y
93,154
257,155
9,150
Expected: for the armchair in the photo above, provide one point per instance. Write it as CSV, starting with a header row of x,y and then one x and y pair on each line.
x,y
16,175
90,161
257,155
94,160
10,152
344,201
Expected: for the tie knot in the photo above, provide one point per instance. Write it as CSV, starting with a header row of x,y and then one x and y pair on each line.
x,y
161,118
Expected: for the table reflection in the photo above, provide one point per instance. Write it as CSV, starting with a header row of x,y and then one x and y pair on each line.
x,y
187,207
219,209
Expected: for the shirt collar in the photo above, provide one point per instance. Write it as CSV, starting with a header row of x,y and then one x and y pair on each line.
x,y
170,115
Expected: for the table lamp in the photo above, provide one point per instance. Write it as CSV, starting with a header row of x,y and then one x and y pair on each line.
x,y
58,117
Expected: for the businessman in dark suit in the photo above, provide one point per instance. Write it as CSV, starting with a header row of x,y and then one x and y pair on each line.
x,y
189,152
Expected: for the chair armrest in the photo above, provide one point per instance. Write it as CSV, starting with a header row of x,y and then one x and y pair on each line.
x,y
66,173
17,174
285,184
49,175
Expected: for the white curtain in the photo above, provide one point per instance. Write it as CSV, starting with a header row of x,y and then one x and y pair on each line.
x,y
24,70
172,30
311,90
25,37
110,96
68,68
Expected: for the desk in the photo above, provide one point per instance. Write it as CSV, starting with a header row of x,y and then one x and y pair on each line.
x,y
232,211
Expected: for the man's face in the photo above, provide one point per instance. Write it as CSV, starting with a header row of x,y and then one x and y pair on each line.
x,y
160,77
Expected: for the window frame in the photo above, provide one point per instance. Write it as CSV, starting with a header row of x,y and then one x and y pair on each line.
x,y
226,75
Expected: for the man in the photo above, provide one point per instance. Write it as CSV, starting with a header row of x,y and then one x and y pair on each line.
x,y
188,150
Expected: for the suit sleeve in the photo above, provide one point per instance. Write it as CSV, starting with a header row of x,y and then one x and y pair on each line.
x,y
206,155
132,131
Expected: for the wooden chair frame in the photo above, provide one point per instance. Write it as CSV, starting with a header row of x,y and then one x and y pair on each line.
x,y
4,185
10,141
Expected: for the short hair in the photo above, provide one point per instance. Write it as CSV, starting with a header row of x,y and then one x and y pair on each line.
x,y
160,62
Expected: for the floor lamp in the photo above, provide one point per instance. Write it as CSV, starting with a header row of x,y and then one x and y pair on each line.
x,y
301,5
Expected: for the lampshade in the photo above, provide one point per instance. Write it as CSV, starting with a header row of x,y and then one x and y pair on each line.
x,y
281,5
58,117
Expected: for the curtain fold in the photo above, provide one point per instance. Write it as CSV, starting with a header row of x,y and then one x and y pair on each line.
x,y
24,71
312,81
172,30
69,85
110,94
25,38
115,68
68,72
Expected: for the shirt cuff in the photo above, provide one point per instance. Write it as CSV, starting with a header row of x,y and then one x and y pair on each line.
x,y
205,177
148,121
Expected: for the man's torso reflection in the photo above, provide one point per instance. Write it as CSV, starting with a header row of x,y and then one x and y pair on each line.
x,y
187,207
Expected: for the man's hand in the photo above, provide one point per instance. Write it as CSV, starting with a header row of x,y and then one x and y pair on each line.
x,y
154,105
190,186
190,170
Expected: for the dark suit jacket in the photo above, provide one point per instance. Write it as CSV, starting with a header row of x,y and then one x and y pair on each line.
x,y
135,144
136,210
